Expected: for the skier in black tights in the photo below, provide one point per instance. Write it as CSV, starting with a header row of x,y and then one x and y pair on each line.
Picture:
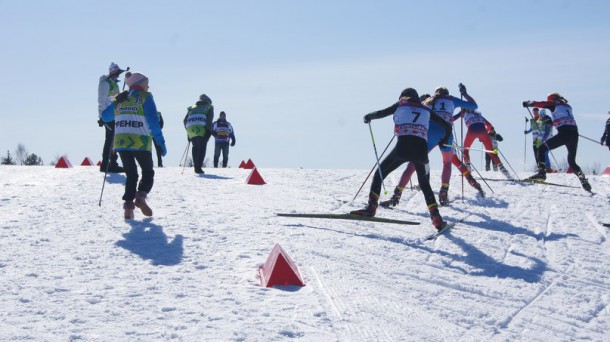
x,y
411,120
567,134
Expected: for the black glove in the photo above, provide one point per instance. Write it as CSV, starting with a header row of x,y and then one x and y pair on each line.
x,y
121,97
367,118
527,104
462,89
444,141
101,123
499,137
233,142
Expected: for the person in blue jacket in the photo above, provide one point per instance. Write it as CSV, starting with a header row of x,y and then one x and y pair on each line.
x,y
136,125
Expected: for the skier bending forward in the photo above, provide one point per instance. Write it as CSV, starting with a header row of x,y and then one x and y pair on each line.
x,y
411,120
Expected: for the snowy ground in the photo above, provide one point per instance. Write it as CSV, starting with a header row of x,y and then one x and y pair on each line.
x,y
529,262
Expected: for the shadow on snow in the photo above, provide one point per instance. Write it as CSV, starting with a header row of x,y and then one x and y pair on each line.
x,y
486,265
115,178
148,241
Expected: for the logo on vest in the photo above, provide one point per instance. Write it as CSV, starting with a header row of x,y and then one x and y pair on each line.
x,y
129,123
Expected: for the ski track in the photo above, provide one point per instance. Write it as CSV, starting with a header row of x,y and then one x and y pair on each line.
x,y
526,263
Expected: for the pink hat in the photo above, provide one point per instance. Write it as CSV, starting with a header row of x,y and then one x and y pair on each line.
x,y
136,78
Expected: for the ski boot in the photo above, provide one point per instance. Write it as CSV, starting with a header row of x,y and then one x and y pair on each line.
x,y
540,176
473,183
495,167
394,200
141,203
437,220
583,181
115,168
129,206
505,172
443,194
198,170
487,168
371,208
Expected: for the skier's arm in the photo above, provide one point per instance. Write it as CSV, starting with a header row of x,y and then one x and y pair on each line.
x,y
102,96
152,118
381,113
550,105
458,115
469,104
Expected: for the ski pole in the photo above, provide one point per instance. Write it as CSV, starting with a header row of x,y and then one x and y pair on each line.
x,y
186,155
377,156
507,163
481,177
525,146
373,168
126,72
106,171
474,149
582,136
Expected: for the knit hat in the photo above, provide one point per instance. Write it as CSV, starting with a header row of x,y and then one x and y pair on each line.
x,y
114,69
136,78
205,98
223,114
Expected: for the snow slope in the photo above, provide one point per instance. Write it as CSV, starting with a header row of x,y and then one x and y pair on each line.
x,y
529,262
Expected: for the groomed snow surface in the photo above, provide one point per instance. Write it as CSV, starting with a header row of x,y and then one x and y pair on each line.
x,y
529,262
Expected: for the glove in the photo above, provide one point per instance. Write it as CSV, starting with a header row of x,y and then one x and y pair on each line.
x,y
233,142
367,118
462,89
121,97
499,137
601,142
527,104
525,132
101,124
444,141
163,148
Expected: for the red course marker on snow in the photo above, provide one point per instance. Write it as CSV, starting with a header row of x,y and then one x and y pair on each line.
x,y
63,163
279,269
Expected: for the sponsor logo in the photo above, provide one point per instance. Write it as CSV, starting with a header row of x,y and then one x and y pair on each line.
x,y
129,123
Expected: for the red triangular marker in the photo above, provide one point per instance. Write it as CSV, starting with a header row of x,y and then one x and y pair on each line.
x,y
606,172
242,165
86,162
99,163
255,178
249,164
279,269
63,162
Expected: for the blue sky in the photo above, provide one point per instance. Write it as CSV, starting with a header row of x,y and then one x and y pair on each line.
x,y
296,77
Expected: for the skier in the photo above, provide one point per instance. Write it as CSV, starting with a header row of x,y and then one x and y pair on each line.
x,y
157,147
478,127
107,89
411,120
443,105
137,121
567,134
606,137
223,133
495,138
198,125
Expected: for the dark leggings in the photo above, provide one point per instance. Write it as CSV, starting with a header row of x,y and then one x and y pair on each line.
x,y
566,135
199,147
107,155
408,148
129,159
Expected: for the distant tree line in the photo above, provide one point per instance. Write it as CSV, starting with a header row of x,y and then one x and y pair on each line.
x,y
22,157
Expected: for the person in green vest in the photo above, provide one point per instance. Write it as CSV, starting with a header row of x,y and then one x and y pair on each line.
x,y
107,89
198,124
136,126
